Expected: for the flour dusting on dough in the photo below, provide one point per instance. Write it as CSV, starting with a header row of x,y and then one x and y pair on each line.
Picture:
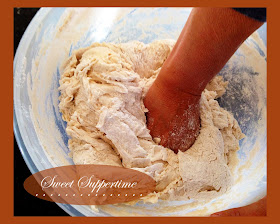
x,y
102,90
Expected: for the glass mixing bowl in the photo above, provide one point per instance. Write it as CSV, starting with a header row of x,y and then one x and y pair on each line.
x,y
40,130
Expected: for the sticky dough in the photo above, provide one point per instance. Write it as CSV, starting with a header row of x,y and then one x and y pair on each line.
x,y
102,89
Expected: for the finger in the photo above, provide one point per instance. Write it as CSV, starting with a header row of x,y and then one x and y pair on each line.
x,y
256,209
230,212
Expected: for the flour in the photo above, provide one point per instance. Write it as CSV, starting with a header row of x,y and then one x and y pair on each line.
x,y
102,90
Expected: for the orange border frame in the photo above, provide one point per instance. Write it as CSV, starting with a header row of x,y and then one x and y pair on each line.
x,y
7,118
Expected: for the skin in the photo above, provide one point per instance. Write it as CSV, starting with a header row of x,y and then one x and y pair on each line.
x,y
208,40
256,209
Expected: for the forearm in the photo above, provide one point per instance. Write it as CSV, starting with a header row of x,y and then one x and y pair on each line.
x,y
208,40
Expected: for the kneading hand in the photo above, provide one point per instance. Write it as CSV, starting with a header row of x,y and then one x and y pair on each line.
x,y
206,43
173,117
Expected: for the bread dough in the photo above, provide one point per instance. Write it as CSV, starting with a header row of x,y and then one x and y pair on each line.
x,y
102,89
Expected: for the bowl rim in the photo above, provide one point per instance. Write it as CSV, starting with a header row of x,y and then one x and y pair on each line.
x,y
17,63
18,60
